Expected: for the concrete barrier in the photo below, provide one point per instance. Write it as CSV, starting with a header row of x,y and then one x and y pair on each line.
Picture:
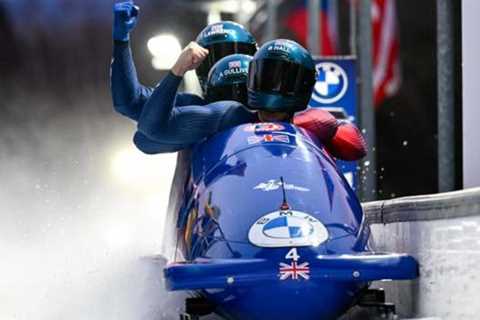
x,y
457,204
443,232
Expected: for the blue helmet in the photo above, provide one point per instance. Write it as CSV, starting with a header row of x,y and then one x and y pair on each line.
x,y
227,79
281,77
223,39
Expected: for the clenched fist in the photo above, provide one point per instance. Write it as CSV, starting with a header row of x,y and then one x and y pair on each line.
x,y
190,58
125,16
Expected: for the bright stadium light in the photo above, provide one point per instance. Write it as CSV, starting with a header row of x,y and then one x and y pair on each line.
x,y
165,49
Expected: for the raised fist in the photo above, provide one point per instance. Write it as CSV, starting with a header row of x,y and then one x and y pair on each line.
x,y
190,58
124,19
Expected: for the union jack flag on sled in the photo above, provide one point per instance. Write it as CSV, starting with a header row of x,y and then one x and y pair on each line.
x,y
268,138
294,271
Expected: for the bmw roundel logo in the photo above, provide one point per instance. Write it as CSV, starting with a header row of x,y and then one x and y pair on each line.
x,y
331,84
287,229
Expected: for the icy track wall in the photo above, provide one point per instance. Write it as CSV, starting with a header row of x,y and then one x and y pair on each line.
x,y
442,232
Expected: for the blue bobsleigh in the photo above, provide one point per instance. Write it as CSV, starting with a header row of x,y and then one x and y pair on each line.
x,y
270,229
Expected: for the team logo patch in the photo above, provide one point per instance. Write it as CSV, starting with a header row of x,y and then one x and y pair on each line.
x,y
332,83
268,138
287,229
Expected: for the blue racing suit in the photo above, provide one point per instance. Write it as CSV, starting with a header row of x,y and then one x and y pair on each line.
x,y
165,127
129,95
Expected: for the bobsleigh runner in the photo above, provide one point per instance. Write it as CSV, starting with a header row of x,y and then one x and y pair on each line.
x,y
268,228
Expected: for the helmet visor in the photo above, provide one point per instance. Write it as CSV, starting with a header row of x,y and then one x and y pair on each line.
x,y
236,92
217,51
279,76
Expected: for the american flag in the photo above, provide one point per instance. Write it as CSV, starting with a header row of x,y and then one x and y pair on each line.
x,y
294,271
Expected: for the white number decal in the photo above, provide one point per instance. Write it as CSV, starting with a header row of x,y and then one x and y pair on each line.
x,y
292,254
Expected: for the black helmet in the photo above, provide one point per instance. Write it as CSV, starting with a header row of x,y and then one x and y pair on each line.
x,y
227,79
223,39
281,77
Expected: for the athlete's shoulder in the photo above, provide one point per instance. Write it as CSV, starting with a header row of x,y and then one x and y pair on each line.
x,y
321,122
188,99
232,112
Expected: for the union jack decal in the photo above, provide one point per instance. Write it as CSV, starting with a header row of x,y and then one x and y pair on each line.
x,y
217,28
264,127
294,271
268,138
234,64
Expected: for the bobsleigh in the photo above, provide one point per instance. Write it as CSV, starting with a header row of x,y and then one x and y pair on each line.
x,y
268,228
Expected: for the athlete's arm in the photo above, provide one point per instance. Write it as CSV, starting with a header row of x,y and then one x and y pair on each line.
x,y
149,146
347,143
342,139
128,93
163,123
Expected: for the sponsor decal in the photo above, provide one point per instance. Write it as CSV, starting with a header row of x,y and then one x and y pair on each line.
x,y
294,270
273,184
281,45
236,70
287,228
268,138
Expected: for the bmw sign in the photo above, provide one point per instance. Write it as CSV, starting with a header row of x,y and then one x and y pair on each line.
x,y
332,83
335,91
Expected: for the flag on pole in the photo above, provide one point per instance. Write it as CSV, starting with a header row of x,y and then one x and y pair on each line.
x,y
386,59
297,22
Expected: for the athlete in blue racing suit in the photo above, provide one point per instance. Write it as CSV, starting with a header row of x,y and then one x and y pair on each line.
x,y
288,75
129,95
